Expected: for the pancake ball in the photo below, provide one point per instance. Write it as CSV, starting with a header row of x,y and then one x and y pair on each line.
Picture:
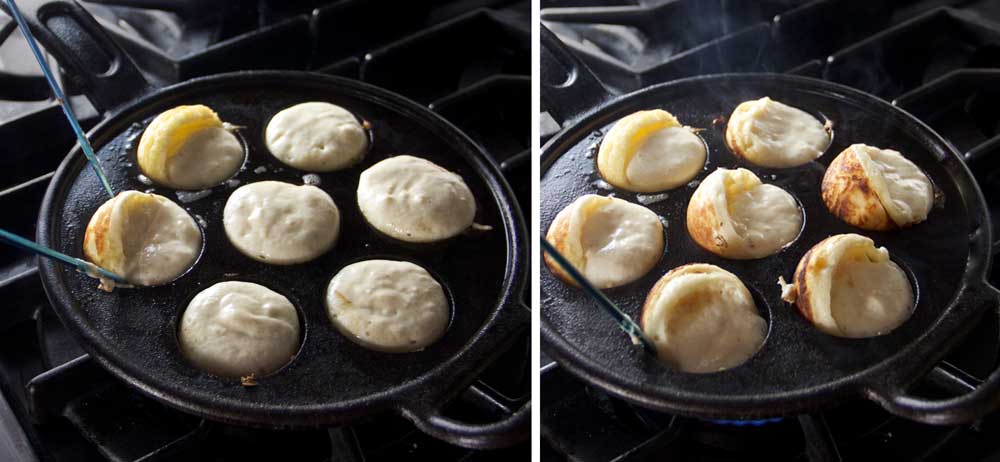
x,y
612,242
772,134
847,287
735,215
189,147
877,189
650,151
145,238
701,318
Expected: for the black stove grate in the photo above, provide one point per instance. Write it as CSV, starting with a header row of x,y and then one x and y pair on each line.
x,y
936,59
56,404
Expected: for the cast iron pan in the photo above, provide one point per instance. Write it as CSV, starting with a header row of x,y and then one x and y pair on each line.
x,y
798,368
331,379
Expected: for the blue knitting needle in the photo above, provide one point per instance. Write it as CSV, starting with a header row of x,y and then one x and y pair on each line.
x,y
84,267
60,97
624,321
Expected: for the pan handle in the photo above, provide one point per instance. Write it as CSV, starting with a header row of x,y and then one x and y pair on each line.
x,y
950,411
502,433
427,413
101,69
568,88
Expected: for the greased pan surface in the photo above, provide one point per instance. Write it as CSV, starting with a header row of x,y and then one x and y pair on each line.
x,y
798,367
331,379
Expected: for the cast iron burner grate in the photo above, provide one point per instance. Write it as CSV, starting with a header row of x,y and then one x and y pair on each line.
x,y
936,59
56,404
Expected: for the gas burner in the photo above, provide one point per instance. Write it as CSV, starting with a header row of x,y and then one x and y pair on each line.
x,y
960,40
635,46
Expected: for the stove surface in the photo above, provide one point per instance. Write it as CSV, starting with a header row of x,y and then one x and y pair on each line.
x,y
938,60
56,404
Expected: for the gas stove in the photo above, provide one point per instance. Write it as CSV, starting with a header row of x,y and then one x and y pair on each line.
x,y
56,403
939,60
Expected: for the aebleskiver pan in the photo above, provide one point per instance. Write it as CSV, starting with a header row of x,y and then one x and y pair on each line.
x,y
799,368
331,380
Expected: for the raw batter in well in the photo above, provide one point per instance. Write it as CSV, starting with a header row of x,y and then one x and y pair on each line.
x,y
387,305
236,328
281,223
415,200
316,137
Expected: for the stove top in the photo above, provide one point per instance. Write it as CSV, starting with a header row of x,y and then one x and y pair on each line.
x,y
56,404
938,60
